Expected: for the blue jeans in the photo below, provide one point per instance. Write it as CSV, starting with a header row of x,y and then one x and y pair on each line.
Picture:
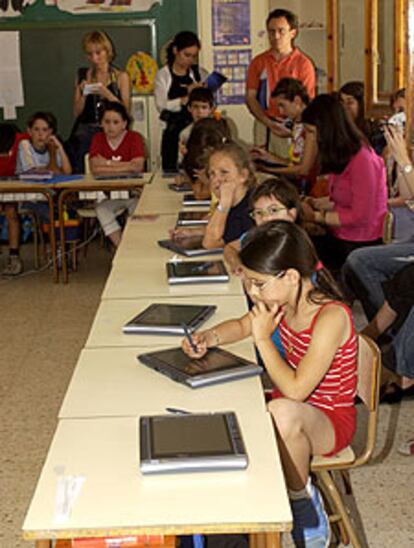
x,y
399,356
365,269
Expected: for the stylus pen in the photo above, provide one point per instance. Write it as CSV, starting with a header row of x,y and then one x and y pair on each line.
x,y
177,411
189,337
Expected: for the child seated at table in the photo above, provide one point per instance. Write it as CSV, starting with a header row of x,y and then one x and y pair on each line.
x,y
275,199
9,143
116,151
42,151
315,383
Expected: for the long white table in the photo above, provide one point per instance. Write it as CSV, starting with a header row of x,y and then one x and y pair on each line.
x,y
97,434
113,314
116,499
112,382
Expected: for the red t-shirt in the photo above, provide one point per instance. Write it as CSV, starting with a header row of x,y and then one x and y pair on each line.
x,y
8,163
265,67
131,146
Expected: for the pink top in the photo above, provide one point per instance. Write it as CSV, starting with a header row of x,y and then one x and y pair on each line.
x,y
359,194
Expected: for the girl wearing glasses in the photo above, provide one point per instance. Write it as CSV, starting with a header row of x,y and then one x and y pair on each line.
x,y
313,407
274,200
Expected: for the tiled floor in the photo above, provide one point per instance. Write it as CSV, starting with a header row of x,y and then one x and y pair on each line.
x,y
42,330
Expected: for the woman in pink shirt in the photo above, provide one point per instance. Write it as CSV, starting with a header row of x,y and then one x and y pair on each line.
x,y
355,209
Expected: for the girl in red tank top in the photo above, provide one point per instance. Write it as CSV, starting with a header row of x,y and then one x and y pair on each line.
x,y
315,383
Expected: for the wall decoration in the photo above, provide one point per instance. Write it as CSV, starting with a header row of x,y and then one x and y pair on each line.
x,y
79,7
233,64
13,8
11,87
231,22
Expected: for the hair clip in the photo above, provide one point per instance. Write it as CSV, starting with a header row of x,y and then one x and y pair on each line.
x,y
319,266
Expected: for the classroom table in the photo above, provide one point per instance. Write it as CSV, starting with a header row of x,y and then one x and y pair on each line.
x,y
113,314
89,184
116,499
160,199
112,382
17,190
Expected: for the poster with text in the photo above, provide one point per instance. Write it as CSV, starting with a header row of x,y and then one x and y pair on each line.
x,y
231,22
233,64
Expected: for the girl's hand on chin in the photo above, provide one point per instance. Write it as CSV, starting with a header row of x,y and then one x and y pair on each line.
x,y
264,320
227,191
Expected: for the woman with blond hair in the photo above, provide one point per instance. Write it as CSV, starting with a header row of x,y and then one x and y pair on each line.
x,y
95,86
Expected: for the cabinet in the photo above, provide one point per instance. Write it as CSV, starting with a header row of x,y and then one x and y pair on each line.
x,y
146,121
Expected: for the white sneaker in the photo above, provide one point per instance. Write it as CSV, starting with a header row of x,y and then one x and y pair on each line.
x,y
14,267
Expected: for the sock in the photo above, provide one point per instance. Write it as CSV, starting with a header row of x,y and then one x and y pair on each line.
x,y
13,252
304,493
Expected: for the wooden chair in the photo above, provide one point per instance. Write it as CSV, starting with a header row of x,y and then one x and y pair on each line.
x,y
369,374
388,228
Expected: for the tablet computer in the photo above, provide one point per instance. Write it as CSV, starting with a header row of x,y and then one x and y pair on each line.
x,y
195,272
188,218
191,443
168,319
191,200
192,246
117,176
215,367
263,162
186,187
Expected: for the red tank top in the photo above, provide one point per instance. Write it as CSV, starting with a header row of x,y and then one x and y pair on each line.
x,y
337,389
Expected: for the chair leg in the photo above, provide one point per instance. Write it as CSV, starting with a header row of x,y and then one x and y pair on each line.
x,y
346,478
74,253
328,482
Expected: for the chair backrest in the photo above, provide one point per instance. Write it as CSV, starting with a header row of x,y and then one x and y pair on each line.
x,y
369,377
388,228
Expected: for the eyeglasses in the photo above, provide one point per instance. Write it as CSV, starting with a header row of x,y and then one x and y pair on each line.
x,y
266,212
261,286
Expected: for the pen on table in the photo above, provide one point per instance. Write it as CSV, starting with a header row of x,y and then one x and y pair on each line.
x,y
177,411
189,337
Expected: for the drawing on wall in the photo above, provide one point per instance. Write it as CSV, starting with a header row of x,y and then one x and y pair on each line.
x,y
233,64
78,7
230,22
14,8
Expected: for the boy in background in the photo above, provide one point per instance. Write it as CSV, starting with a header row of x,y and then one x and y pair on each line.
x,y
200,105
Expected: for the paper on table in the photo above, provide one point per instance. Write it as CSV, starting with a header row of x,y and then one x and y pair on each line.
x,y
11,87
67,491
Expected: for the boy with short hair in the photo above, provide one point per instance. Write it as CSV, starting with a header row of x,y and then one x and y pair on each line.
x,y
200,105
42,151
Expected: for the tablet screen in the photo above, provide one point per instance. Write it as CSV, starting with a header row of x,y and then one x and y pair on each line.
x,y
214,360
190,436
189,242
198,268
192,215
168,314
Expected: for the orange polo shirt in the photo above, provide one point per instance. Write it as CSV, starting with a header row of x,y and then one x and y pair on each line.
x,y
265,66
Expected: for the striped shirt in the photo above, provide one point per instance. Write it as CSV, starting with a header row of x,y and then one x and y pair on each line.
x,y
337,389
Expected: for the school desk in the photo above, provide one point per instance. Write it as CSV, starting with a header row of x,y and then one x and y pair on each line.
x,y
113,314
89,186
116,499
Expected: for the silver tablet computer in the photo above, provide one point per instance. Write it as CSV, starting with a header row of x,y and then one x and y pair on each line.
x,y
215,367
195,218
191,200
191,246
191,443
186,187
168,319
195,272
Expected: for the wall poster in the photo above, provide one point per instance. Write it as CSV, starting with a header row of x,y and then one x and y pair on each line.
x,y
233,63
79,7
230,22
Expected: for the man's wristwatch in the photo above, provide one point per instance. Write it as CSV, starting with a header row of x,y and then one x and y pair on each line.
x,y
222,209
407,168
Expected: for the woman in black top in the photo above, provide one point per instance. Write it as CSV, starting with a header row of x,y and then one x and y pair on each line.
x,y
95,86
173,84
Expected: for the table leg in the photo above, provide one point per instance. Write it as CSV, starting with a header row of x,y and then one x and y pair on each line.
x,y
61,221
52,237
273,540
43,544
265,540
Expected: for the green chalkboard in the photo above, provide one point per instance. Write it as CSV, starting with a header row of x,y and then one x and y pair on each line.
x,y
51,48
50,59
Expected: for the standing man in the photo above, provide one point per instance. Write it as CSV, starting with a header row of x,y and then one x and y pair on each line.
x,y
281,60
